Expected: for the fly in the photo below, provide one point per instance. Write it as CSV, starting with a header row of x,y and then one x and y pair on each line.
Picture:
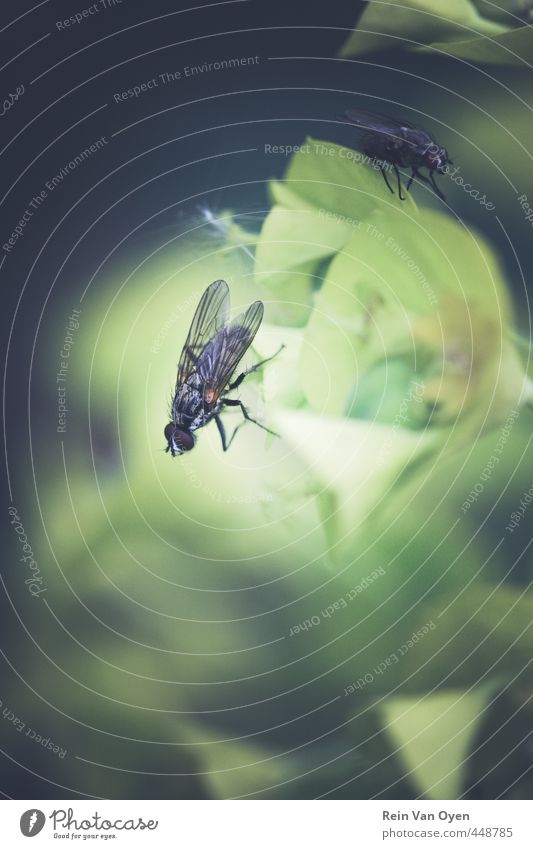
x,y
212,351
402,145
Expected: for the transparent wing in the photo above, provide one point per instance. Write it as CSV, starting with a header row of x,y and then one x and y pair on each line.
x,y
230,346
210,317
375,122
383,125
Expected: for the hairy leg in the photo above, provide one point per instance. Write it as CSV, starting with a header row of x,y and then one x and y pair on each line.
x,y
237,382
235,402
398,177
384,175
435,187
414,173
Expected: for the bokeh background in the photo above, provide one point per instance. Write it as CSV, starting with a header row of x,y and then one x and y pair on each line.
x,y
344,611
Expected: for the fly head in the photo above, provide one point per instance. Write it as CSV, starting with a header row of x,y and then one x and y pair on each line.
x,y
178,440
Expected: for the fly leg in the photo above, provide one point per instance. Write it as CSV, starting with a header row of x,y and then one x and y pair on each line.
x,y
222,432
414,173
431,182
384,175
237,382
398,177
231,402
435,187
235,402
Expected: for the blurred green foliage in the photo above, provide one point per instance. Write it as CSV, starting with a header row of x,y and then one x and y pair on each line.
x,y
470,30
165,654
184,579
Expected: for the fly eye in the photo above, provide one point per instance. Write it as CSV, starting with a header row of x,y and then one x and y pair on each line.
x,y
178,440
183,440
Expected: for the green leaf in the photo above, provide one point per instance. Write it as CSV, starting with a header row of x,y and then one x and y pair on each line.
x,y
349,466
387,393
293,242
292,288
332,177
514,47
506,11
496,631
315,235
412,23
392,287
433,736
462,28
328,192
396,289
241,767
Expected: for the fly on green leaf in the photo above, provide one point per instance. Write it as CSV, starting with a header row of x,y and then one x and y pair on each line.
x,y
212,351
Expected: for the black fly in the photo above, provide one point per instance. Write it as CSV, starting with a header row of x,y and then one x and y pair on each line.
x,y
211,353
400,144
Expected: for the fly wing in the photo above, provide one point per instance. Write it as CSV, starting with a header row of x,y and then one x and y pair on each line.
x,y
232,344
384,125
210,317
375,122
